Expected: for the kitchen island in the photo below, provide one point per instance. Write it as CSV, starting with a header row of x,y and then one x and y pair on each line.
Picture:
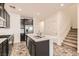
x,y
40,46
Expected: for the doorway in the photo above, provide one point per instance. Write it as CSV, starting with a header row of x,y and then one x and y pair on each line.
x,y
26,28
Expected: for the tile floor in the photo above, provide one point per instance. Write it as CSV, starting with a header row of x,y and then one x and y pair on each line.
x,y
64,51
20,49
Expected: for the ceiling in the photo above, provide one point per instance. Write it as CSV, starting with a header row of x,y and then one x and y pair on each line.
x,y
35,9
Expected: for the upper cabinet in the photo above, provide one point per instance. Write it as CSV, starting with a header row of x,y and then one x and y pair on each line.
x,y
2,9
28,22
4,17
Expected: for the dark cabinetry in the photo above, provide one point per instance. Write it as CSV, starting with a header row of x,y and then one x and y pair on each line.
x,y
28,22
38,48
4,14
6,46
2,10
22,23
31,47
22,35
3,48
7,19
10,44
0,49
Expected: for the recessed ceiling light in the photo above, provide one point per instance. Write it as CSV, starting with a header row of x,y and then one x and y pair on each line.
x,y
19,9
61,5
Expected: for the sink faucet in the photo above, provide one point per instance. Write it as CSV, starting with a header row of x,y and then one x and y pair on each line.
x,y
39,33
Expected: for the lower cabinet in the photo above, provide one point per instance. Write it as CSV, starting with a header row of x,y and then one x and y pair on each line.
x,y
10,44
5,48
0,49
38,48
32,48
22,37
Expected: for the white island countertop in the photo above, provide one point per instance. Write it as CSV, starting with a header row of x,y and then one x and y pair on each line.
x,y
45,37
2,40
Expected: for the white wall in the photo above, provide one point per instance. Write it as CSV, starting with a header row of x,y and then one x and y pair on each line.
x,y
51,25
14,27
67,19
64,25
41,25
60,23
74,16
36,24
78,27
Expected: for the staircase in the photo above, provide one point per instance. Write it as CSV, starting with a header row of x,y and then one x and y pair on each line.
x,y
71,39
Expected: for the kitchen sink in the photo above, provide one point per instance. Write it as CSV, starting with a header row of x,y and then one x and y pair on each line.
x,y
38,37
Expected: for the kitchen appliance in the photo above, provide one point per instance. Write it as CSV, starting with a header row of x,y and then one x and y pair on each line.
x,y
26,28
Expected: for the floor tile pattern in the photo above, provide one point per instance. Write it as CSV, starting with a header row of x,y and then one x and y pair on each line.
x,y
20,49
64,51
